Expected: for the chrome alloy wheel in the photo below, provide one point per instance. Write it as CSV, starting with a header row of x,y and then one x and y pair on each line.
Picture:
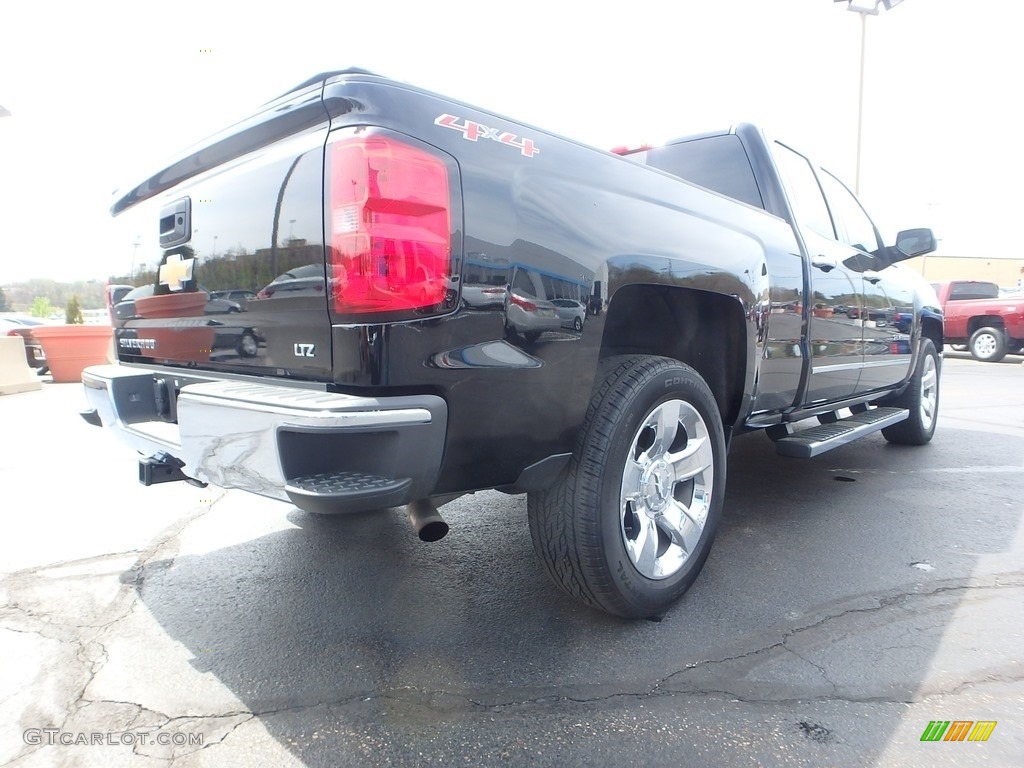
x,y
667,486
986,345
929,392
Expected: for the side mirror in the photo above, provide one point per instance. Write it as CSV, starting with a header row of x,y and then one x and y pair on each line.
x,y
914,242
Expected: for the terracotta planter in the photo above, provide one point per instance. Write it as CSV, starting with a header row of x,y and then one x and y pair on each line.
x,y
71,348
172,305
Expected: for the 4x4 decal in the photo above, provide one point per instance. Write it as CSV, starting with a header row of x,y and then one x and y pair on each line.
x,y
472,131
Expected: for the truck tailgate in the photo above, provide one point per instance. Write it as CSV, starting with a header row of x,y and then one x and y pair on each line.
x,y
232,272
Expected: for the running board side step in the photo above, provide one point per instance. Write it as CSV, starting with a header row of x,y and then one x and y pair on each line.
x,y
815,440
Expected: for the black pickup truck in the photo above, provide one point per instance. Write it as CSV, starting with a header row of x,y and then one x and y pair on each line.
x,y
440,300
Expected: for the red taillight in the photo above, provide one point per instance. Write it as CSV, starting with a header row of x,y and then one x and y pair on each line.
x,y
390,226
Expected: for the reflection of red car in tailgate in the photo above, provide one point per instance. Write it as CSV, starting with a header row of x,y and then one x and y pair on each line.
x,y
975,315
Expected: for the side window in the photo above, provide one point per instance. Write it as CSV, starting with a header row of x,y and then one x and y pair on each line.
x,y
803,190
718,163
852,224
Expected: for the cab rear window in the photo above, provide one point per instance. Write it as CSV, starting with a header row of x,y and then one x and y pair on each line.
x,y
718,163
972,290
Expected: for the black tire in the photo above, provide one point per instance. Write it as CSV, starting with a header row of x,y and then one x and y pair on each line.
x,y
577,323
531,336
987,345
581,526
921,398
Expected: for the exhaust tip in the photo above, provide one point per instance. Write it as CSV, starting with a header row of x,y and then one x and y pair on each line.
x,y
434,531
426,521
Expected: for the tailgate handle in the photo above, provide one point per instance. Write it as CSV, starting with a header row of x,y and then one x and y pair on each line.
x,y
176,223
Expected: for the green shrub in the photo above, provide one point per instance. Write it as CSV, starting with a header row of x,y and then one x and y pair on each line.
x,y
73,312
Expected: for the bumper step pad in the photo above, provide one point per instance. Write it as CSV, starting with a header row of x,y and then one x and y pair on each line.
x,y
815,440
337,492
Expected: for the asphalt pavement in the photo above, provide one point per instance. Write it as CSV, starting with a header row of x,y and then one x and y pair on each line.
x,y
850,600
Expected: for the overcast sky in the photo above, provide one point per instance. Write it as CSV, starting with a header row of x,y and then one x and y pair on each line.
x,y
100,92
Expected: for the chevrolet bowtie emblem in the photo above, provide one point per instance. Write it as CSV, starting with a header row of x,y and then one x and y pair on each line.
x,y
176,271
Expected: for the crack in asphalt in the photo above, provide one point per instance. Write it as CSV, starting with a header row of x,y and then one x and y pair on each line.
x,y
74,632
1016,579
821,669
92,655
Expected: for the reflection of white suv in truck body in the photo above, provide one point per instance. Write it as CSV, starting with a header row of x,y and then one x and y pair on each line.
x,y
529,312
485,282
572,313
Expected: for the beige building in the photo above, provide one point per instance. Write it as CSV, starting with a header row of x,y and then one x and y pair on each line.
x,y
1004,272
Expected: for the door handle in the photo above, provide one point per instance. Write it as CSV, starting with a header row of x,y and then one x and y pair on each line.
x,y
873,280
823,263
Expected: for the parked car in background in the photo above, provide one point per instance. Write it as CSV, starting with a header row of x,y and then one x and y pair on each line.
x,y
17,325
480,296
528,312
977,315
114,294
239,296
125,309
572,313
879,315
117,292
299,282
903,319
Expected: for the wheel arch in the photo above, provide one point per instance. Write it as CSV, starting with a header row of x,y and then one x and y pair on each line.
x,y
984,321
704,329
931,327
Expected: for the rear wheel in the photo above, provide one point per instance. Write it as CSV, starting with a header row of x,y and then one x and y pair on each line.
x,y
630,524
921,398
988,345
577,323
248,346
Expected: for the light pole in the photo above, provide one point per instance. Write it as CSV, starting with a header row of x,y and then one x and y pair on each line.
x,y
135,248
865,8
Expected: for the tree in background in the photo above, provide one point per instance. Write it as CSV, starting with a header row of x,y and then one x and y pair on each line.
x,y
3,301
73,312
41,307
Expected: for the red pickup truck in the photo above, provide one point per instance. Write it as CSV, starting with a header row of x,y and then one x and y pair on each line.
x,y
975,315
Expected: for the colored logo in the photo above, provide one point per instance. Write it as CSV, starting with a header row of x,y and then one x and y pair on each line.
x,y
958,730
472,131
176,271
